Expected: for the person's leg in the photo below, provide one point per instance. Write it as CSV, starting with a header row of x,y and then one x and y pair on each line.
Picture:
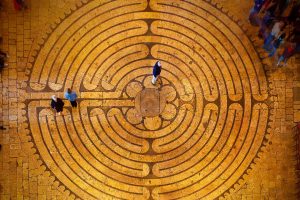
x,y
273,51
1,62
285,60
267,41
59,110
154,80
74,104
280,60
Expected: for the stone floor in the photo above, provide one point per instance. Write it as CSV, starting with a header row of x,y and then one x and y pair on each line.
x,y
217,125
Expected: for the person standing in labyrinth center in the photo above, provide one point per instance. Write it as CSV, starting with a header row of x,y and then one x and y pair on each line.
x,y
71,96
156,72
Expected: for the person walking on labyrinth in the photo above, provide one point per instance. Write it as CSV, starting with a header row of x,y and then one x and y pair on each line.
x,y
276,44
57,104
71,96
156,72
275,33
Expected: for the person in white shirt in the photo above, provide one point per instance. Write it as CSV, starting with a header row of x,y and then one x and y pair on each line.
x,y
273,35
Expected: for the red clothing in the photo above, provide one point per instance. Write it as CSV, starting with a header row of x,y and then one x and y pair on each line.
x,y
266,4
288,52
17,5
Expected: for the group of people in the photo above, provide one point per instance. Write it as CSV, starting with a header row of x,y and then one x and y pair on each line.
x,y
279,26
58,105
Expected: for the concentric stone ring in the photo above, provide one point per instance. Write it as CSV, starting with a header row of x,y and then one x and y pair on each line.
x,y
211,116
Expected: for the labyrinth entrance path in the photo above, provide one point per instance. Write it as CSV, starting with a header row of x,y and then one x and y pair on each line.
x,y
216,125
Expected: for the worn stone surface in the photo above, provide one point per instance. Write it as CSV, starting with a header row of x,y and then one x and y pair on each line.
x,y
225,130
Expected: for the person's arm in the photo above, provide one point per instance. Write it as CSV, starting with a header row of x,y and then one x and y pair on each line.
x,y
52,104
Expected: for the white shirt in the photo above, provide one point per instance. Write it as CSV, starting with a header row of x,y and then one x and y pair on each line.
x,y
276,29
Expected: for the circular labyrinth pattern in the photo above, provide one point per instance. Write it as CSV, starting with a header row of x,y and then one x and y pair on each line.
x,y
193,135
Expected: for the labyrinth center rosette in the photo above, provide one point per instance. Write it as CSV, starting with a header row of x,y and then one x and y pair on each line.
x,y
193,135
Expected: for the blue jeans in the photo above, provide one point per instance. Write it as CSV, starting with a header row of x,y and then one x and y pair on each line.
x,y
267,43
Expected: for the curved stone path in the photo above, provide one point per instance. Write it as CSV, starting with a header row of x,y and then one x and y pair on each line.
x,y
212,118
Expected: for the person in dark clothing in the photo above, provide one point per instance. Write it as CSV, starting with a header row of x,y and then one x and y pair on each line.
x,y
3,56
2,63
253,18
265,24
282,5
294,14
57,104
294,35
156,72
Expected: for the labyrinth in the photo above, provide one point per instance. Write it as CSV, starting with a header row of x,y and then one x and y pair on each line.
x,y
193,135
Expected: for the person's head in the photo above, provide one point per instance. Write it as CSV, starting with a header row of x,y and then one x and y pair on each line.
x,y
69,90
158,63
54,98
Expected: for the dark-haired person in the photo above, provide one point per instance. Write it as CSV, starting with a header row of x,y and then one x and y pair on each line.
x,y
71,96
156,72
